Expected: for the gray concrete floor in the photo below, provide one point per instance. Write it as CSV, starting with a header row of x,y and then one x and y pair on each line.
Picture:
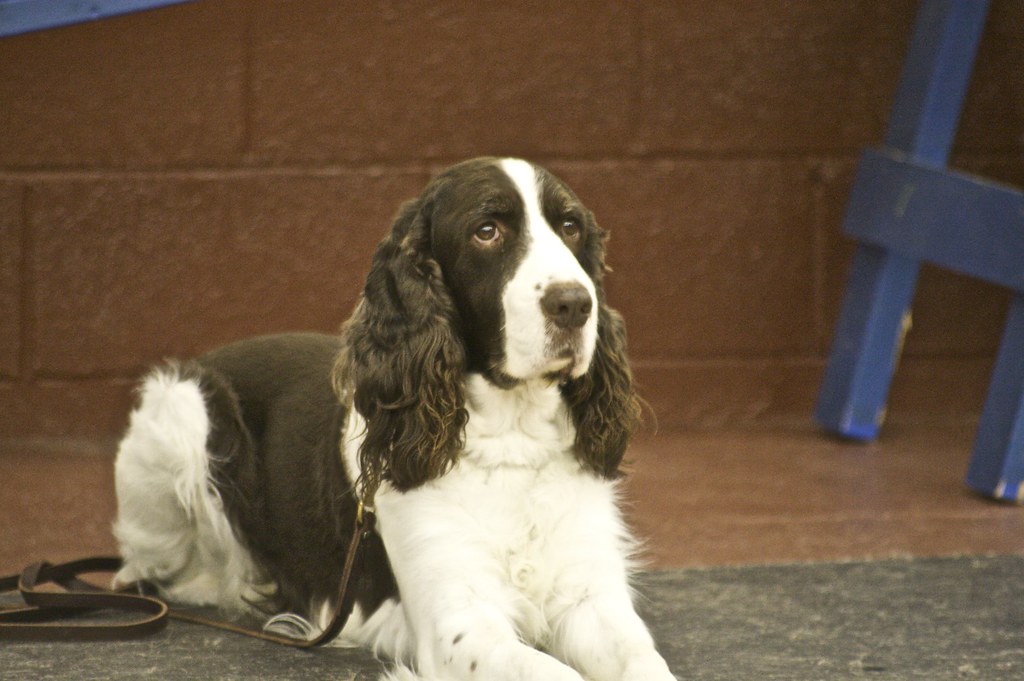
x,y
935,619
743,532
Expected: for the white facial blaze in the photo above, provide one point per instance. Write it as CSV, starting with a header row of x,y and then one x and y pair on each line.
x,y
530,348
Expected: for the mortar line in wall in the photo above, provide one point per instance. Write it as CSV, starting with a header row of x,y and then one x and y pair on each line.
x,y
819,269
246,141
807,361
817,156
640,362
26,302
425,164
705,156
637,91
243,172
114,377
207,172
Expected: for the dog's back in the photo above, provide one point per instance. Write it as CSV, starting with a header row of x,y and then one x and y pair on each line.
x,y
247,434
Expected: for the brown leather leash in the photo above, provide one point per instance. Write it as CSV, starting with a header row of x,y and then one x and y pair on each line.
x,y
36,621
41,618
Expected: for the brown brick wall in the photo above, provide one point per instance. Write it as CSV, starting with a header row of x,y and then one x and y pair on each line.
x,y
178,178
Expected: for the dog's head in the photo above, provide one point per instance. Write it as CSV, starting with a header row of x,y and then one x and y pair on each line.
x,y
497,269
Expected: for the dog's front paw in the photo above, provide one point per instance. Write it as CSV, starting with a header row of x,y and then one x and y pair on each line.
x,y
648,668
543,667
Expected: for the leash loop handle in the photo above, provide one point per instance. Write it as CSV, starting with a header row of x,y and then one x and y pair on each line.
x,y
42,617
39,621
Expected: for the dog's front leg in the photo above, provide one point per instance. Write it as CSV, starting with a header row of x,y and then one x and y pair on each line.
x,y
595,627
459,608
476,641
604,638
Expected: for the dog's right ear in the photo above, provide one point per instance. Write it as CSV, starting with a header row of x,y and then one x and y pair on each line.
x,y
403,361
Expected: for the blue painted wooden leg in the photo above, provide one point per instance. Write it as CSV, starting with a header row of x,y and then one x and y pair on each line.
x,y
877,306
997,466
874,319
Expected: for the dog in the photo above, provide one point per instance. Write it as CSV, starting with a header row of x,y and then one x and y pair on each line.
x,y
480,394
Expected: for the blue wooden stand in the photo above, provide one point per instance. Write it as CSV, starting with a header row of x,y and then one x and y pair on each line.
x,y
906,208
24,16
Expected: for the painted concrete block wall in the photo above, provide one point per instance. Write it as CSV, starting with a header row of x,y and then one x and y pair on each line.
x,y
179,178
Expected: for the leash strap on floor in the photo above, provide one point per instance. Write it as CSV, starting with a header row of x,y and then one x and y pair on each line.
x,y
45,612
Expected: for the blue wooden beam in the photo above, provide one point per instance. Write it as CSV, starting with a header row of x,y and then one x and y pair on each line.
x,y
954,220
936,73
922,125
24,16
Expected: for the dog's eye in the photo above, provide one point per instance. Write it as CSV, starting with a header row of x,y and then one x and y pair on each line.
x,y
487,233
571,230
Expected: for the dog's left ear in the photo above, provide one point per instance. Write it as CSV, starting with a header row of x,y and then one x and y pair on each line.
x,y
604,405
403,361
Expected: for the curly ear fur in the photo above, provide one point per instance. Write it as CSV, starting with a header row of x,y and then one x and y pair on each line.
x,y
604,405
605,409
403,363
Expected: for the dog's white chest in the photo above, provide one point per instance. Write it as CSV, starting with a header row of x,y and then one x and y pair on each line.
x,y
529,524
517,515
525,515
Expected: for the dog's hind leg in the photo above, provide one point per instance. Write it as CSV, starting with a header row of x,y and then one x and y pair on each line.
x,y
162,480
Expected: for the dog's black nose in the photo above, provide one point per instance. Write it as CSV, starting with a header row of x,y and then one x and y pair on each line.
x,y
567,304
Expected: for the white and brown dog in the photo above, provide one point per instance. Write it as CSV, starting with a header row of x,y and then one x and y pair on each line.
x,y
482,383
